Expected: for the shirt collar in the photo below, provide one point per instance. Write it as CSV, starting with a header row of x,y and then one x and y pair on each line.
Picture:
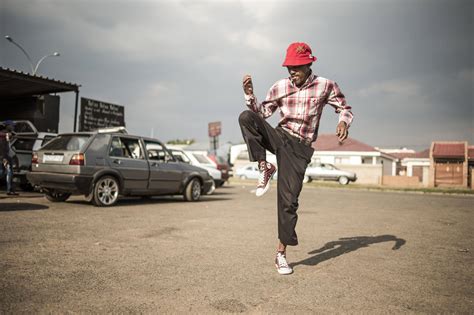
x,y
308,81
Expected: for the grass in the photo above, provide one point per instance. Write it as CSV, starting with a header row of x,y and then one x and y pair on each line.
x,y
327,184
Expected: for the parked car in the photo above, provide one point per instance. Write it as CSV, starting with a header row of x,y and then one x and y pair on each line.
x,y
26,140
199,161
250,171
222,165
104,165
324,171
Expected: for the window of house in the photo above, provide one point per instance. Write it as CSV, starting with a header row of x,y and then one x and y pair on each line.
x,y
342,160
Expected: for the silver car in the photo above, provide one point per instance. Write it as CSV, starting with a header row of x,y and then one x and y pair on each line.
x,y
328,172
104,165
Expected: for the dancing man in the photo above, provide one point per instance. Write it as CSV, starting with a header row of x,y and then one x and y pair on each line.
x,y
300,99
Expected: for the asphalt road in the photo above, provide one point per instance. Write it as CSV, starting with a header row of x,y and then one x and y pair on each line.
x,y
359,252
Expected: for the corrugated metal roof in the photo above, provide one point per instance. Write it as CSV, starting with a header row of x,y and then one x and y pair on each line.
x,y
449,150
413,155
15,83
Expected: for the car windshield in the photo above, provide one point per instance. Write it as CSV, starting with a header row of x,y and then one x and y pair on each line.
x,y
23,127
202,158
67,143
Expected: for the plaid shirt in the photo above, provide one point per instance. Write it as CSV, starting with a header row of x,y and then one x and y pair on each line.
x,y
301,108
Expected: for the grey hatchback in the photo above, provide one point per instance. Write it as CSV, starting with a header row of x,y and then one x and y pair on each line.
x,y
103,166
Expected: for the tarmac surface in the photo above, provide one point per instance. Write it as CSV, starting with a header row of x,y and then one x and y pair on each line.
x,y
360,252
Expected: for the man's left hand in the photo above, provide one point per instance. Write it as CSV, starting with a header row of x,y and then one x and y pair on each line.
x,y
342,131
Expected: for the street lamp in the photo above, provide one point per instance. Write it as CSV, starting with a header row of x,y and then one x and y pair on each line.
x,y
33,68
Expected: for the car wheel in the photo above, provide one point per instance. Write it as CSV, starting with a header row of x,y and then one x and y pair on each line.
x,y
306,179
193,190
343,180
55,196
105,191
243,177
27,187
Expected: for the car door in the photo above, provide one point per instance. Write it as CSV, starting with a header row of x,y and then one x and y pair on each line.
x,y
126,155
330,172
165,171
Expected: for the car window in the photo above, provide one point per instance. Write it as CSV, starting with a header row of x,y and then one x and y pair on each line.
x,y
67,143
24,144
46,139
156,152
126,148
180,156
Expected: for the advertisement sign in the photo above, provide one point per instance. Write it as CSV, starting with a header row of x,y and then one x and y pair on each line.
x,y
97,114
214,129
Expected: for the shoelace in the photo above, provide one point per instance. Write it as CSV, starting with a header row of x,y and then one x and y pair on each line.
x,y
282,261
261,177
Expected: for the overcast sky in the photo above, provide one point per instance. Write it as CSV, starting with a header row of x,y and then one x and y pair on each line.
x,y
406,67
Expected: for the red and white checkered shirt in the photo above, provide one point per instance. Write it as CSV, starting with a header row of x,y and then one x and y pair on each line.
x,y
301,108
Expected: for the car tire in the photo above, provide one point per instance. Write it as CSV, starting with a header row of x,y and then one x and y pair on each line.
x,y
306,179
343,180
192,192
27,187
106,191
243,177
55,196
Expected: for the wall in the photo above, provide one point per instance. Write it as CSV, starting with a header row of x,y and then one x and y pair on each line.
x,y
401,181
366,174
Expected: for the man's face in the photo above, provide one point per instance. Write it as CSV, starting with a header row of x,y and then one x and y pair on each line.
x,y
299,74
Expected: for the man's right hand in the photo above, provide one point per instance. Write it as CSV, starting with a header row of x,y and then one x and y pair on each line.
x,y
248,85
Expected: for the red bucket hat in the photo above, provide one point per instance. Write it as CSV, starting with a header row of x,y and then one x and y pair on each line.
x,y
298,54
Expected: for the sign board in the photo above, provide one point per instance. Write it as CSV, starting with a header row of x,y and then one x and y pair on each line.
x,y
97,114
214,129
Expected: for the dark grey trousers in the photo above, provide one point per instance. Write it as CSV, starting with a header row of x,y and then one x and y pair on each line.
x,y
292,159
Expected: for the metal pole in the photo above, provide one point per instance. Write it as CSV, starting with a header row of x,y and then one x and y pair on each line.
x,y
75,111
23,50
56,54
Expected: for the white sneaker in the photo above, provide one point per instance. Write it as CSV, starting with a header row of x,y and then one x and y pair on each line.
x,y
282,265
266,172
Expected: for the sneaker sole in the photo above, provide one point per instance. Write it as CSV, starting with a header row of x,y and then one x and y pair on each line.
x,y
284,273
266,187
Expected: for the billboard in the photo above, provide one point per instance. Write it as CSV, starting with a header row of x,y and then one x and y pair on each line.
x,y
97,114
214,129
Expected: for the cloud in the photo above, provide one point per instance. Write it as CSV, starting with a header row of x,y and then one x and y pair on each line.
x,y
177,65
399,88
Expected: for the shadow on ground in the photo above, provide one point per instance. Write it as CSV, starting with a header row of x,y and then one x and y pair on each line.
x,y
21,206
346,245
139,201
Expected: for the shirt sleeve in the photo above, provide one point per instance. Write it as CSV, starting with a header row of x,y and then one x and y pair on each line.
x,y
338,101
266,108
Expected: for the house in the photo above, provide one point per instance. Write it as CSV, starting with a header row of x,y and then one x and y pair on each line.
x,y
451,164
412,164
368,163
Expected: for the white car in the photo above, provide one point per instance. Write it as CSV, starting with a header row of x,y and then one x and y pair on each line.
x,y
250,171
27,140
199,160
326,171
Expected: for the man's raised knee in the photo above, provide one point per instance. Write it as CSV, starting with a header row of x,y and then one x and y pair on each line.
x,y
246,116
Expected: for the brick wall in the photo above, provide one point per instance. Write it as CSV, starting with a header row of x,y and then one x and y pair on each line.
x,y
401,181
